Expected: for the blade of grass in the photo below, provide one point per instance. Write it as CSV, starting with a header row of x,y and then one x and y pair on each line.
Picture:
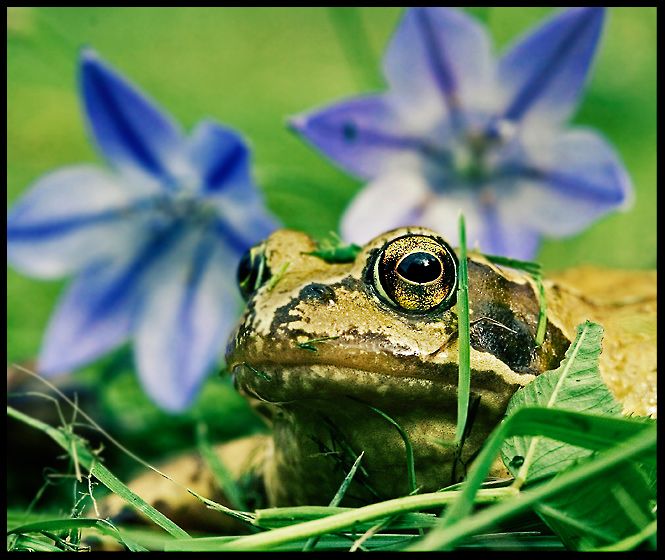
x,y
542,316
99,471
108,479
337,498
530,267
348,518
239,515
464,378
60,525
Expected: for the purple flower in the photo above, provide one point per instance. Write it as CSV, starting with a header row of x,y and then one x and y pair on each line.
x,y
458,130
153,242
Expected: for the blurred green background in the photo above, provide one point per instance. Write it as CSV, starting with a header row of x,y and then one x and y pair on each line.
x,y
252,68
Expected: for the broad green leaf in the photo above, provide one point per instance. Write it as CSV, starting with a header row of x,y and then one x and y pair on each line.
x,y
576,385
598,433
458,524
603,510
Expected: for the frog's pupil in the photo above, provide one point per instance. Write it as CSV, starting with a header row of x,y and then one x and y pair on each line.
x,y
419,267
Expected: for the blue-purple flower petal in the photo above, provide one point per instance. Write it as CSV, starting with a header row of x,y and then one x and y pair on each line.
x,y
582,181
499,233
100,308
545,71
155,244
130,129
93,316
184,321
439,63
221,158
366,135
72,217
458,131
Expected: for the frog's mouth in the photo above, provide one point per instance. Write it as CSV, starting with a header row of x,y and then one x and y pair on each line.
x,y
366,366
433,386
285,383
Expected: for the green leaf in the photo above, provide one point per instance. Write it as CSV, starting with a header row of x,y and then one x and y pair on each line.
x,y
603,510
589,431
632,440
576,385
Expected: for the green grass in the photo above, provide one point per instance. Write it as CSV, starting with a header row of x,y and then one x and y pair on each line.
x,y
622,471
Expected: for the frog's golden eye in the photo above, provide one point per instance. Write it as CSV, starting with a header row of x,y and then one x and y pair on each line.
x,y
416,273
252,270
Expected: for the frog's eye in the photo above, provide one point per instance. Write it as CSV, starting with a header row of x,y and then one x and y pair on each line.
x,y
252,270
416,273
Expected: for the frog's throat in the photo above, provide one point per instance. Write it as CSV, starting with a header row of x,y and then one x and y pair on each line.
x,y
320,413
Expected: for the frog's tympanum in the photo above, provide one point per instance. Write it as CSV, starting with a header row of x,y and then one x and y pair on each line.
x,y
322,347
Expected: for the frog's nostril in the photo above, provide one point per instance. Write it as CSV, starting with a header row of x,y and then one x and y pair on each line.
x,y
317,291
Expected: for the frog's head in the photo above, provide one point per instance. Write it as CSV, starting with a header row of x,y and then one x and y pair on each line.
x,y
320,341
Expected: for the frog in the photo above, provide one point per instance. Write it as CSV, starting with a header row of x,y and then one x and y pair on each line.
x,y
352,362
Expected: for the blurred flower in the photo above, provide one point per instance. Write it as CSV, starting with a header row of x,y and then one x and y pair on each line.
x,y
458,130
154,243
